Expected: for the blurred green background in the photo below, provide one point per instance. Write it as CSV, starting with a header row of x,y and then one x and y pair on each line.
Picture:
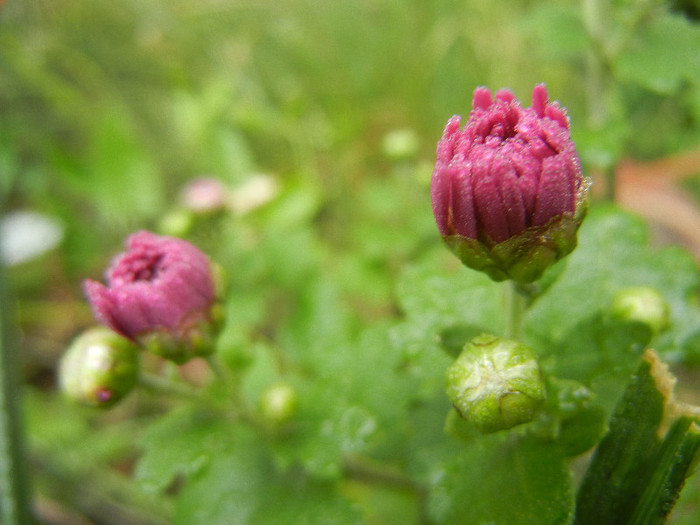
x,y
108,109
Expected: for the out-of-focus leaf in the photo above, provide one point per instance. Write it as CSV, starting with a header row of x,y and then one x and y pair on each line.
x,y
614,253
181,444
663,56
531,479
242,486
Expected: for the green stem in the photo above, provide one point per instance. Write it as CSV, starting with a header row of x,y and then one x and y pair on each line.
x,y
167,386
515,310
218,367
598,79
14,483
367,471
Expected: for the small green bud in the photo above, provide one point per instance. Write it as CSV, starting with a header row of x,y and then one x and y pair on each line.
x,y
400,144
495,383
641,304
99,368
278,403
177,223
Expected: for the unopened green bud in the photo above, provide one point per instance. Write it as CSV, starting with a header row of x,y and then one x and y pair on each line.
x,y
495,383
99,368
278,403
400,144
641,304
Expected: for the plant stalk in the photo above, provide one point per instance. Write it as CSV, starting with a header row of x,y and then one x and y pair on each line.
x,y
515,310
14,482
167,386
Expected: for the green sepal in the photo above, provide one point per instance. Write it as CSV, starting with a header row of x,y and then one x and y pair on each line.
x,y
197,340
523,257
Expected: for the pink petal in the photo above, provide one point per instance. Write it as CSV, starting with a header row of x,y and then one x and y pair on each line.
x,y
462,203
489,205
505,95
482,98
441,198
540,98
556,193
557,114
103,305
510,194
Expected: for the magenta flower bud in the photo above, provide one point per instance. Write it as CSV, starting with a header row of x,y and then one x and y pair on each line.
x,y
160,294
507,191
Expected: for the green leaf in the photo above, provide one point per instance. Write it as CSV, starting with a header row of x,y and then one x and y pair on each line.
x,y
227,490
598,349
647,60
442,304
614,253
181,444
502,481
242,487
572,417
353,400
558,28
640,466
119,175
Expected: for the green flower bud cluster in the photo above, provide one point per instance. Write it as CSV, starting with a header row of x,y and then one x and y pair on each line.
x,y
496,383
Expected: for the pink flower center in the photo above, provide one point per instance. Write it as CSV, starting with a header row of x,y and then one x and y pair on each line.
x,y
139,266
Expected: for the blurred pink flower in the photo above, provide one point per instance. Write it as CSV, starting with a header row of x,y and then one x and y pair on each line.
x,y
159,285
508,169
204,194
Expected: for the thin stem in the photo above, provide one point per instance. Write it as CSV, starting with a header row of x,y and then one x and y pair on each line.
x,y
218,367
14,483
367,471
167,386
598,80
363,469
515,310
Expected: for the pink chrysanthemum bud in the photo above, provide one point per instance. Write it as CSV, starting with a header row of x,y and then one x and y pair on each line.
x,y
161,294
507,191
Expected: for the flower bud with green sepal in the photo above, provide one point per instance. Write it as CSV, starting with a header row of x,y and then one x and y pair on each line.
x,y
641,304
496,383
507,190
99,368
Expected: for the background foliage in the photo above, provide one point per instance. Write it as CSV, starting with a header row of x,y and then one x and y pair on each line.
x,y
339,285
